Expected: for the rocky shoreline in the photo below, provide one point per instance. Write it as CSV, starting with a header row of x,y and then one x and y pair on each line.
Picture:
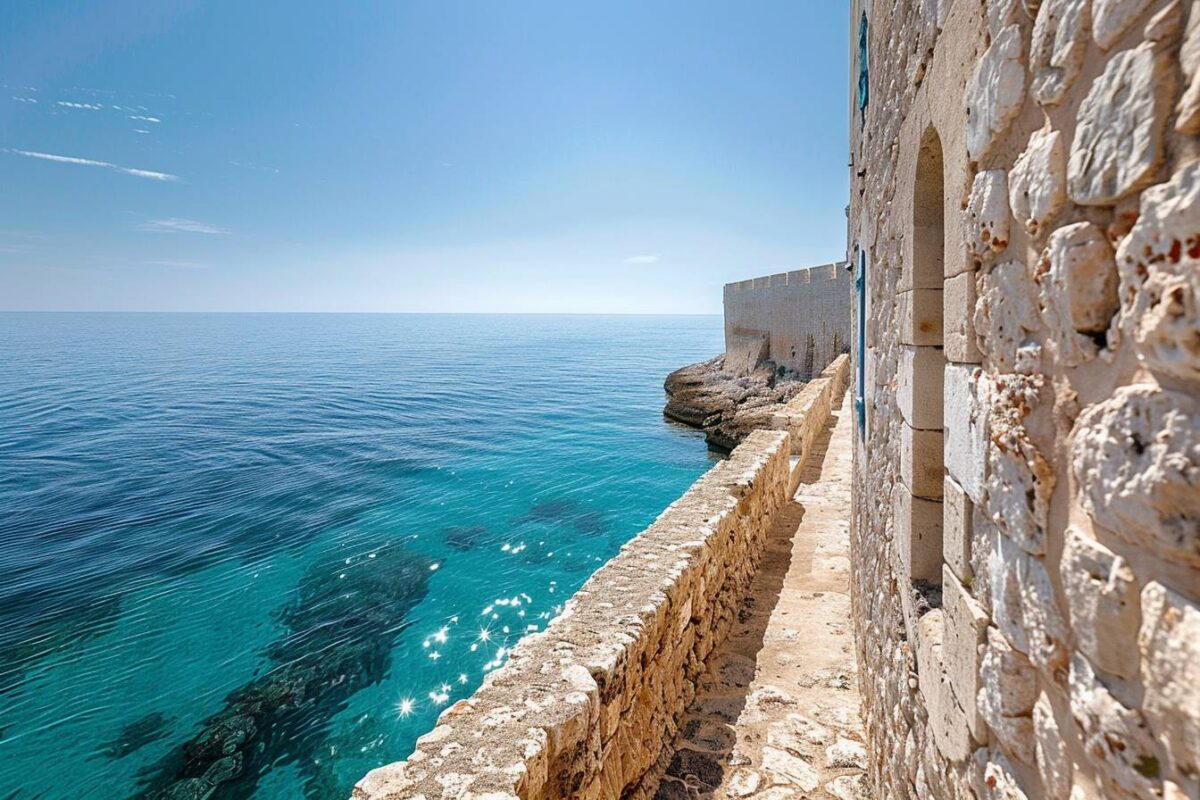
x,y
725,405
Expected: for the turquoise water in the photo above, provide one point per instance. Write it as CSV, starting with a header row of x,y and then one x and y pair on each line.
x,y
262,552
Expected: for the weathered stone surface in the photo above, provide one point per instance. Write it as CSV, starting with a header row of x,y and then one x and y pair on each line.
x,y
1007,319
998,780
1118,144
1077,288
1008,690
1053,761
1136,458
919,386
965,632
1159,263
846,753
1189,58
1170,648
986,218
781,765
1116,741
1000,14
995,92
1037,184
1111,18
947,719
1059,42
848,787
920,315
957,529
959,300
921,462
918,535
967,399
1023,605
1020,481
1102,604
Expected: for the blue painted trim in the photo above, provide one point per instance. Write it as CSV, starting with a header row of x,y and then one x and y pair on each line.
x,y
860,290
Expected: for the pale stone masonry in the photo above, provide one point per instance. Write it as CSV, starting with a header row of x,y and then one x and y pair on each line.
x,y
798,319
585,708
776,715
1025,205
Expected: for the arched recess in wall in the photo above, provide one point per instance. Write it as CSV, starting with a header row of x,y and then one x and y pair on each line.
x,y
918,500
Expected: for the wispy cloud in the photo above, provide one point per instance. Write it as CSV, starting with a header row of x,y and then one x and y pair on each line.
x,y
179,225
88,162
88,106
176,264
648,259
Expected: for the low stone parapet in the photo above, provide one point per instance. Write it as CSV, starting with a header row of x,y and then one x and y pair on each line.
x,y
585,708
805,414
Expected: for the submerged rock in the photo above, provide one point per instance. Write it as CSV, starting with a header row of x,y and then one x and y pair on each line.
x,y
342,628
138,734
464,537
727,406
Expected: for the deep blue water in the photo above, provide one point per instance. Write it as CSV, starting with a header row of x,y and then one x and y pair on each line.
x,y
295,538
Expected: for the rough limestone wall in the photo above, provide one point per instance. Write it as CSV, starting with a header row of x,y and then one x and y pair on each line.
x,y
1061,658
584,708
803,316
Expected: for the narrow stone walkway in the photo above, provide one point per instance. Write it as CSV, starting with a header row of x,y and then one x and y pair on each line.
x,y
776,715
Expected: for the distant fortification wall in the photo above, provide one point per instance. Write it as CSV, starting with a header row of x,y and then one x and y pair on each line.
x,y
798,319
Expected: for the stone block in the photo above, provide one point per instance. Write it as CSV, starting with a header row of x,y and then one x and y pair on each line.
x,y
986,218
997,780
947,720
1121,126
1077,289
957,513
1188,120
1136,459
1103,604
1037,184
1060,36
921,462
1111,18
920,315
1019,485
966,397
1023,605
958,308
919,386
966,627
1170,648
1053,761
1116,740
1159,264
1007,320
1007,692
917,535
995,92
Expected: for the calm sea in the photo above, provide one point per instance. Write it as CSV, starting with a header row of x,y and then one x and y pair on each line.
x,y
276,546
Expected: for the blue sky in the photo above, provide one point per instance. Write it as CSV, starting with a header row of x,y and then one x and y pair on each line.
x,y
500,155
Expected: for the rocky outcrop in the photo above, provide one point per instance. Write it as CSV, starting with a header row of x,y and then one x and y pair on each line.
x,y
725,405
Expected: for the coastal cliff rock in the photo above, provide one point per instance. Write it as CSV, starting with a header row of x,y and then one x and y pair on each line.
x,y
725,405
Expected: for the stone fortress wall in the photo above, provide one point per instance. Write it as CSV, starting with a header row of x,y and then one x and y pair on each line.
x,y
1025,205
798,319
588,707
